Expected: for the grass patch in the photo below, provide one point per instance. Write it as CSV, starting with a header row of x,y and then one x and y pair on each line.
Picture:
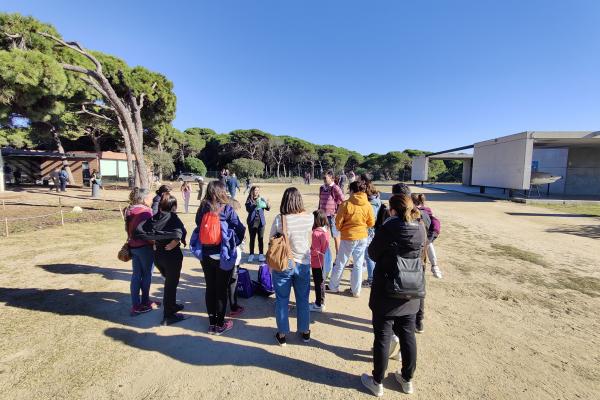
x,y
516,253
593,210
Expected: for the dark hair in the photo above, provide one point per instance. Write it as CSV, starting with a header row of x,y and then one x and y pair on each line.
x,y
167,202
251,194
163,189
329,173
404,207
358,187
291,202
320,219
216,196
418,199
401,188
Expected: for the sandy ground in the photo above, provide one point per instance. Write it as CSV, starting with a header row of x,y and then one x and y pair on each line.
x,y
516,316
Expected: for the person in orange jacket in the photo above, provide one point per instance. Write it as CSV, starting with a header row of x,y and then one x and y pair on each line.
x,y
354,217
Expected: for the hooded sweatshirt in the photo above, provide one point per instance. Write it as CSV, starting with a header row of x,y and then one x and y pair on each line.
x,y
354,217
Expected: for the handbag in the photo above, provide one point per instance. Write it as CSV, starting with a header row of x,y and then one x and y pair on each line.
x,y
279,253
407,281
124,253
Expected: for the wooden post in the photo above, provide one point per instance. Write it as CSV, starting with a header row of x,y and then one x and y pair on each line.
x,y
6,225
62,217
121,211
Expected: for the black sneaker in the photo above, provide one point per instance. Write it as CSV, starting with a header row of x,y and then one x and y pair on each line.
x,y
173,319
306,337
280,340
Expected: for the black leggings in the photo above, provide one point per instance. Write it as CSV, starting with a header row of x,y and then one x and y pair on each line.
x,y
317,274
384,328
231,290
261,233
169,264
217,282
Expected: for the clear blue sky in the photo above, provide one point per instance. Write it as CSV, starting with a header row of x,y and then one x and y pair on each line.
x,y
372,76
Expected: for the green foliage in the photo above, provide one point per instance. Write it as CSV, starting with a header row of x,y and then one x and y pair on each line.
x,y
15,137
247,167
162,162
195,165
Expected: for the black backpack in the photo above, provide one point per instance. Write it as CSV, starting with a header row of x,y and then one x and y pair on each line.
x,y
407,279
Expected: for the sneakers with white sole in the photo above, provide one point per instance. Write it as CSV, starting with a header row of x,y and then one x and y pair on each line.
x,y
436,271
315,308
369,383
251,258
261,258
407,386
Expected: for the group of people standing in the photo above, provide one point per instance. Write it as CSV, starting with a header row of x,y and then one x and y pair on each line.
x,y
362,228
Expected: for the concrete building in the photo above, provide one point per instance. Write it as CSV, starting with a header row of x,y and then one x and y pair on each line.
x,y
509,162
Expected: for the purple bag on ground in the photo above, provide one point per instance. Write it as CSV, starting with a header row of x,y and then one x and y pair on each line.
x,y
264,285
244,286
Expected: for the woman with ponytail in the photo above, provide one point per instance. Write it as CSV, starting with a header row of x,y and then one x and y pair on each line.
x,y
168,232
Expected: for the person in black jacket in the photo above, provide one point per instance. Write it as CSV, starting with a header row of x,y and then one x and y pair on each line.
x,y
167,230
156,199
400,236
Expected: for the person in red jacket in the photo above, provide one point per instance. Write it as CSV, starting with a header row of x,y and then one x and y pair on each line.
x,y
320,256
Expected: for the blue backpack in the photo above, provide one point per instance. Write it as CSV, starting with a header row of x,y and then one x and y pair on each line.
x,y
244,287
264,285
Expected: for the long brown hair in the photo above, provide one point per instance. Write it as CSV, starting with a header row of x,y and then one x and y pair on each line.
x,y
167,202
320,219
215,197
291,202
251,194
404,207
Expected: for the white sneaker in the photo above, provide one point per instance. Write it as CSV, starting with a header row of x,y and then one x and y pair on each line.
x,y
393,346
261,258
251,258
315,308
407,386
435,270
370,384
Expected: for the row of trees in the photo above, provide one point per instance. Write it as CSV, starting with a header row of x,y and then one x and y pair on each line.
x,y
55,94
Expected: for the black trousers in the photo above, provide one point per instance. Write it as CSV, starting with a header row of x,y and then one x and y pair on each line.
x,y
421,313
231,289
317,274
260,232
169,264
384,328
217,282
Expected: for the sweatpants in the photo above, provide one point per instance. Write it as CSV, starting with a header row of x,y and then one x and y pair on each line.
x,y
169,263
254,232
217,282
319,281
384,328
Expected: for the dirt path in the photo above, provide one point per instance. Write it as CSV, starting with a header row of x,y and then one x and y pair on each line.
x,y
514,317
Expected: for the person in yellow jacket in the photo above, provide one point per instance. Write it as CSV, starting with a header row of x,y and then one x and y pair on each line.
x,y
354,217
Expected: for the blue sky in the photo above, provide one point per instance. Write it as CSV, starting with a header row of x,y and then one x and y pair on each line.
x,y
372,76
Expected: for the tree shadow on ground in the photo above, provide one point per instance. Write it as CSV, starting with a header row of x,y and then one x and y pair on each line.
x,y
589,231
444,196
524,214
202,350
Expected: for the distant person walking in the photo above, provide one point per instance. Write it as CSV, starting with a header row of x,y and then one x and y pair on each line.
x,y
353,219
256,207
168,233
63,178
215,218
248,185
156,200
96,183
142,256
54,176
186,191
297,275
233,185
351,176
342,181
200,188
320,258
399,241
330,197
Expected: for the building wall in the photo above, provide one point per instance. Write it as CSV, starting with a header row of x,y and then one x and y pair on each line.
x,y
420,169
553,161
583,171
467,172
503,162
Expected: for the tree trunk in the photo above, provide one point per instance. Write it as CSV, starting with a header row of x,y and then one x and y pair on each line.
x,y
63,156
278,164
97,148
132,177
160,151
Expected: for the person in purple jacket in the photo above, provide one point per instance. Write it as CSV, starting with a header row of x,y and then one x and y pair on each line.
x,y
218,270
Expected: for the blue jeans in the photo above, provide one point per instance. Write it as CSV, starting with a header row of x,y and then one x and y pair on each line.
x,y
298,277
356,249
143,260
370,263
